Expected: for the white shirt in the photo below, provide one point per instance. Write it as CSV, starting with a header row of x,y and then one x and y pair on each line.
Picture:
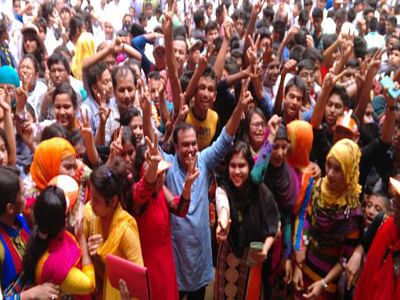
x,y
374,39
117,12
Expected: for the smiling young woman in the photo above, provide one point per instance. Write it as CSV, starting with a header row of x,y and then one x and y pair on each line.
x,y
65,106
254,218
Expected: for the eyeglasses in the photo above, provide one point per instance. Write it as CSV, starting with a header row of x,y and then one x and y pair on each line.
x,y
258,125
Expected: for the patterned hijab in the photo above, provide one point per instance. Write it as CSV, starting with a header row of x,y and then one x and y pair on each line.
x,y
47,159
348,154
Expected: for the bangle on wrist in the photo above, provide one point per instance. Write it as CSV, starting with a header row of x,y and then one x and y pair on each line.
x,y
324,284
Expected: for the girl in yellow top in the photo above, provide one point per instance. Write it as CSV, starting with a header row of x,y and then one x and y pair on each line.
x,y
53,254
108,227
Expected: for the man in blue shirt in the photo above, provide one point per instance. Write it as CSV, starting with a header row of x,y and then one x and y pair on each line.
x,y
191,235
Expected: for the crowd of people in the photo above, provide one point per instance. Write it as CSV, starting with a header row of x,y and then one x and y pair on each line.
x,y
237,149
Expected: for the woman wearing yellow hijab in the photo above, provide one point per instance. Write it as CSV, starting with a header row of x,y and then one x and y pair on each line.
x,y
333,226
85,47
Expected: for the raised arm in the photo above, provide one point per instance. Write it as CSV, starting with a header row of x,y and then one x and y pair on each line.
x,y
171,61
250,27
220,61
98,56
289,67
318,113
86,131
234,121
145,105
346,52
289,36
201,67
331,49
255,69
104,113
364,98
390,117
5,104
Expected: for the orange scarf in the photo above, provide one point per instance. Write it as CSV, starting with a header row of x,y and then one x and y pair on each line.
x,y
47,159
301,141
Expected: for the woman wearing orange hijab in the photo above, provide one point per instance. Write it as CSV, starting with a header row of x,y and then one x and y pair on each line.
x,y
301,140
55,156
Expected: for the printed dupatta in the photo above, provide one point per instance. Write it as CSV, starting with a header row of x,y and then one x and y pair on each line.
x,y
14,266
300,209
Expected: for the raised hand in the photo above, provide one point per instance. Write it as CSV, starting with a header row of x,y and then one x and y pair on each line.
x,y
273,126
145,99
267,55
192,173
5,101
153,155
228,30
331,79
117,45
375,62
25,130
21,94
167,24
257,7
347,49
84,126
104,110
252,50
116,146
289,66
245,95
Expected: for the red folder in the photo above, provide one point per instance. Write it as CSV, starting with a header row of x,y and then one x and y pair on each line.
x,y
136,277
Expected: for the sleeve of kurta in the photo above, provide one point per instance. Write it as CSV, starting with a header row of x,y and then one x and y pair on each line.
x,y
215,153
352,241
142,191
130,245
79,282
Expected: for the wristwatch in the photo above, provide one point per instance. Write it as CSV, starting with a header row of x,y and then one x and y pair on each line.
x,y
324,284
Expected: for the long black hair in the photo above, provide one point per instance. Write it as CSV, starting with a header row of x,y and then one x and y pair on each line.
x,y
49,212
40,53
248,204
9,186
128,136
109,180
